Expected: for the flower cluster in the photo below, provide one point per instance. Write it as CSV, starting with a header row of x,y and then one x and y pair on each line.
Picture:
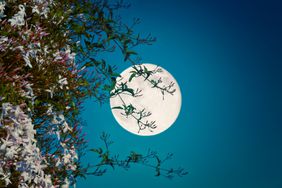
x,y
2,8
39,132
19,150
49,64
18,19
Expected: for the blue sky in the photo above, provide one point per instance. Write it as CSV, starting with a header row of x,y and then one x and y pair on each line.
x,y
226,57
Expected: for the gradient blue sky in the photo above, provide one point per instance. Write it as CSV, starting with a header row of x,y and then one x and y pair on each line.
x,y
226,57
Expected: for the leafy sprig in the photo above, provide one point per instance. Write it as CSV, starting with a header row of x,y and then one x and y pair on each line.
x,y
89,29
142,71
151,159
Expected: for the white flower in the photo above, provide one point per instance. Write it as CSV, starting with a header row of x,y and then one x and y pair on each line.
x,y
6,107
73,152
11,152
21,48
29,160
62,81
50,109
27,60
25,176
58,163
2,8
61,117
58,119
72,167
82,68
51,91
7,181
35,9
44,9
35,180
28,92
63,145
18,19
1,171
67,158
45,49
3,39
48,180
66,127
17,112
6,178
5,143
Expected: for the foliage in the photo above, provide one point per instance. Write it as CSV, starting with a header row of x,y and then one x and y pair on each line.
x,y
107,159
50,62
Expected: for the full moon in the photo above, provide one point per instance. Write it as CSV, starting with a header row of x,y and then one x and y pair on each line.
x,y
163,107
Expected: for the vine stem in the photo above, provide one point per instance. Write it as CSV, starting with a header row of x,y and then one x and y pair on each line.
x,y
133,115
109,79
150,81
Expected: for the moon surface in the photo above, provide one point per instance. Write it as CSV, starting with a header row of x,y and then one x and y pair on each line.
x,y
164,109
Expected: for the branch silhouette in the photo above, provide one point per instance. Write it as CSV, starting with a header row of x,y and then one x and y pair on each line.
x,y
151,159
51,61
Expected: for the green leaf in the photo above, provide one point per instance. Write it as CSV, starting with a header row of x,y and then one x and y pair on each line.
x,y
113,85
148,75
131,52
36,102
128,53
145,68
133,72
129,90
103,64
132,76
88,64
110,70
118,107
116,75
99,150
126,56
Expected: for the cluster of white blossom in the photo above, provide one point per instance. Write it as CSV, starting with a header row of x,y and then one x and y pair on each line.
x,y
69,154
27,92
2,8
29,45
33,50
41,7
19,150
65,55
4,43
18,19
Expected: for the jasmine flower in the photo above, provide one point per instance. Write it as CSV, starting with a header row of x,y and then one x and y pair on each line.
x,y
62,81
2,8
18,19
